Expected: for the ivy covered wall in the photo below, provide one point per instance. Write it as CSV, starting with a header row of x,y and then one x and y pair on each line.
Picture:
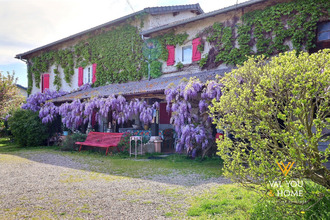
x,y
116,52
121,54
275,29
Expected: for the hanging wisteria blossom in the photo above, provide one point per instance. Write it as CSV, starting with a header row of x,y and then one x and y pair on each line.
x,y
35,101
189,117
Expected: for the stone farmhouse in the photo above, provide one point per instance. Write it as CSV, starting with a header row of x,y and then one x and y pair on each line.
x,y
139,54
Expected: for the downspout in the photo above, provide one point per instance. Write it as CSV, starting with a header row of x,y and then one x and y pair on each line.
x,y
148,60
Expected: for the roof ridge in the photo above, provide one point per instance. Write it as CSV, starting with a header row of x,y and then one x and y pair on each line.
x,y
197,4
174,7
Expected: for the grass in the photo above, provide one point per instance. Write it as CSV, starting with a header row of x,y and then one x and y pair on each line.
x,y
7,146
223,202
125,166
234,202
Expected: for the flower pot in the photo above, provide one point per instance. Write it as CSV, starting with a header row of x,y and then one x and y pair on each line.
x,y
65,133
158,146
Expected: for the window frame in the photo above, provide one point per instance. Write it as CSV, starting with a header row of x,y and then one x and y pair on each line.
x,y
319,32
179,52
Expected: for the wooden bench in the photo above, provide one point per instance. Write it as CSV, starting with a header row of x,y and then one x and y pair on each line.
x,y
103,140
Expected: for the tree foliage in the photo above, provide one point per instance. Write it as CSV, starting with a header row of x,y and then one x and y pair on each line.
x,y
277,111
10,97
27,128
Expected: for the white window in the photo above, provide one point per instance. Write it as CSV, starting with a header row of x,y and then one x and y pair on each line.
x,y
183,54
187,54
88,74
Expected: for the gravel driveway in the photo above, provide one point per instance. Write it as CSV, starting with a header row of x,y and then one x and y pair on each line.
x,y
41,185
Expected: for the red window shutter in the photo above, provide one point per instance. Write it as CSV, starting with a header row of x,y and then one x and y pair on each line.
x,y
94,73
196,54
45,82
171,55
80,76
164,116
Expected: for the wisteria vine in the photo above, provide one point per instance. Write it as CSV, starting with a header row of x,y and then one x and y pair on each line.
x,y
36,101
77,112
189,103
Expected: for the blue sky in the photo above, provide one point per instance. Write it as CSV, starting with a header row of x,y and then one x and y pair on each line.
x,y
27,24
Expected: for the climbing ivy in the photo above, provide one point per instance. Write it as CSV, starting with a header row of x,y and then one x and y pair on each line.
x,y
155,69
57,79
118,54
203,61
41,64
268,30
30,78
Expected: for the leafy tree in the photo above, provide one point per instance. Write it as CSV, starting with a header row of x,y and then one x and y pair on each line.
x,y
10,97
276,111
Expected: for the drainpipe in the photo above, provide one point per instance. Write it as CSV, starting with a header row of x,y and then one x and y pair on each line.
x,y
150,46
149,66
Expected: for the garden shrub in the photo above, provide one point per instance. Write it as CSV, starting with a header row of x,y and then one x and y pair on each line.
x,y
70,140
277,111
27,128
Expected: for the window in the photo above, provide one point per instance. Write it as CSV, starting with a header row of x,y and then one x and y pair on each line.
x,y
187,54
322,37
88,74
323,32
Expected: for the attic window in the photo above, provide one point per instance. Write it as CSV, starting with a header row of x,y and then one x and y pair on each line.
x,y
323,32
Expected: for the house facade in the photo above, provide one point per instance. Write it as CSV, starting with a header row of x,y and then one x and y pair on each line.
x,y
62,72
184,37
138,55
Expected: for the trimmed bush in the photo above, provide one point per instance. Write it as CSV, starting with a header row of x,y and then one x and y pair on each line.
x,y
27,128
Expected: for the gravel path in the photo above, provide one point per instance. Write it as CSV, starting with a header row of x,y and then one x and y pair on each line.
x,y
49,185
